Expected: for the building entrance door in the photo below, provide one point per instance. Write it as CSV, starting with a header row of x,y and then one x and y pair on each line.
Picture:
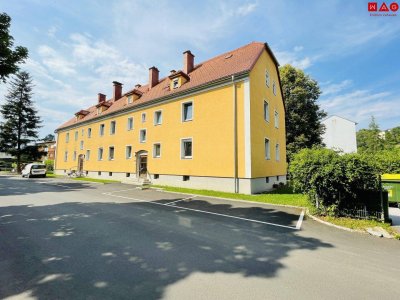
x,y
143,166
81,159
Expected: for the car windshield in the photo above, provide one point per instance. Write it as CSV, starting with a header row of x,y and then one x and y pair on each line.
x,y
35,167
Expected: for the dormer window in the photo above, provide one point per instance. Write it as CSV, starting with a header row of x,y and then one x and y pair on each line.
x,y
130,99
175,83
133,96
177,79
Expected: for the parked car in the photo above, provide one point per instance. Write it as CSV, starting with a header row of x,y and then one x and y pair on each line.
x,y
34,169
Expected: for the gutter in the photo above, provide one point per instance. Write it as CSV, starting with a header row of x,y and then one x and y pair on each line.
x,y
235,142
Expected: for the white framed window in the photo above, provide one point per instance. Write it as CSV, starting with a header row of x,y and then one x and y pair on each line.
x,y
267,149
67,137
130,99
100,154
128,152
175,83
277,152
276,119
76,135
157,150
157,117
267,78
274,88
101,129
65,155
74,156
87,154
83,132
81,145
113,124
129,125
143,117
186,148
111,152
187,111
142,136
89,133
266,110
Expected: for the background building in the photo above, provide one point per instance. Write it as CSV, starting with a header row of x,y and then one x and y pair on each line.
x,y
340,134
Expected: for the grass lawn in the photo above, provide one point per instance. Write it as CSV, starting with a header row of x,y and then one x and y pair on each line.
x,y
357,224
282,196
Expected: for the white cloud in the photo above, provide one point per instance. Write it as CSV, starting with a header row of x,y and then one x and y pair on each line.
x,y
52,31
55,62
246,9
360,105
298,48
292,58
334,88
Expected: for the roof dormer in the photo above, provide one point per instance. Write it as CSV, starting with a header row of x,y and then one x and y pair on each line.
x,y
102,106
177,79
81,114
133,96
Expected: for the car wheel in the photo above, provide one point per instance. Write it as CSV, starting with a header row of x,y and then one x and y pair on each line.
x,y
29,175
44,176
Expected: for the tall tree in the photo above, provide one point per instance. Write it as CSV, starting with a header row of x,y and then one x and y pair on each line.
x,y
9,58
303,114
370,140
49,137
21,122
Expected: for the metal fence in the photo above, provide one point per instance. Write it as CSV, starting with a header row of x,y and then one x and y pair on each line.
x,y
362,213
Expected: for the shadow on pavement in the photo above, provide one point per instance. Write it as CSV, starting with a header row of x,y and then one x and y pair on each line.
x,y
130,251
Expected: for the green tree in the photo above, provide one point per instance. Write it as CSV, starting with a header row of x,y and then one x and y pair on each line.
x,y
369,140
392,138
49,137
9,58
303,114
20,120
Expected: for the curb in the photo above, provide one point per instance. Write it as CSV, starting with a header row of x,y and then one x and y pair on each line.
x,y
332,225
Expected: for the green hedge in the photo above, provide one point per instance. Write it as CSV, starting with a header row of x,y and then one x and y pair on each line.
x,y
332,181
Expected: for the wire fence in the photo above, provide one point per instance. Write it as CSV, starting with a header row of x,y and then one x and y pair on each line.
x,y
362,213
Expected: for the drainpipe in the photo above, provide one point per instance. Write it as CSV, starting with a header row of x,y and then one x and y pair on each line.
x,y
235,144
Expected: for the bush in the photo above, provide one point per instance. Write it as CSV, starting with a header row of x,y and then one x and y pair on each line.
x,y
332,181
386,161
49,164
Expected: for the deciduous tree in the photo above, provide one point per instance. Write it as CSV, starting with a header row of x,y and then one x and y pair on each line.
x,y
303,114
9,58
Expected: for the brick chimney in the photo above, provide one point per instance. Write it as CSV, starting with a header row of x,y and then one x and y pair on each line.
x,y
153,77
188,62
117,91
101,97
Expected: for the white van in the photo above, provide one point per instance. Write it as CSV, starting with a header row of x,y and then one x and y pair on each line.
x,y
34,169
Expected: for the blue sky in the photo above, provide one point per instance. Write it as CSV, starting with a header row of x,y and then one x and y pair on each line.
x,y
77,48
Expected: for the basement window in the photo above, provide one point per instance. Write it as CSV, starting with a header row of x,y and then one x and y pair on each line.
x,y
109,173
156,176
186,177
99,173
128,174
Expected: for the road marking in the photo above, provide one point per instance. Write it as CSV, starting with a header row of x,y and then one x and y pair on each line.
x,y
173,202
300,220
202,211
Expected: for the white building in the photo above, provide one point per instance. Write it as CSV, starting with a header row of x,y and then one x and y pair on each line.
x,y
340,134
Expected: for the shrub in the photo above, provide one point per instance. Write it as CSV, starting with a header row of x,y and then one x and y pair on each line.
x,y
332,181
49,164
386,161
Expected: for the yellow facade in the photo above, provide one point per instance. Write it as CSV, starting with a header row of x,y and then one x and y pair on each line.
x,y
211,130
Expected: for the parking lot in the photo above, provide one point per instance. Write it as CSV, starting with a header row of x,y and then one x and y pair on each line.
x,y
77,240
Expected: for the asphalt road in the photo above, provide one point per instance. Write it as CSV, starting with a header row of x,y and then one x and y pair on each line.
x,y
62,239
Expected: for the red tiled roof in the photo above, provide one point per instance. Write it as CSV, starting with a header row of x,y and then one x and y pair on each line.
x,y
221,66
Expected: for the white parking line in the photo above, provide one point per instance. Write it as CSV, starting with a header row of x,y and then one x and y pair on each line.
x,y
300,220
202,211
188,198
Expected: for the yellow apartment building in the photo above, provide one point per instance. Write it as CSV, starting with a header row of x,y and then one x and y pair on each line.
x,y
218,125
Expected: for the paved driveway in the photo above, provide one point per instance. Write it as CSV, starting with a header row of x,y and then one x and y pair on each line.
x,y
63,239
